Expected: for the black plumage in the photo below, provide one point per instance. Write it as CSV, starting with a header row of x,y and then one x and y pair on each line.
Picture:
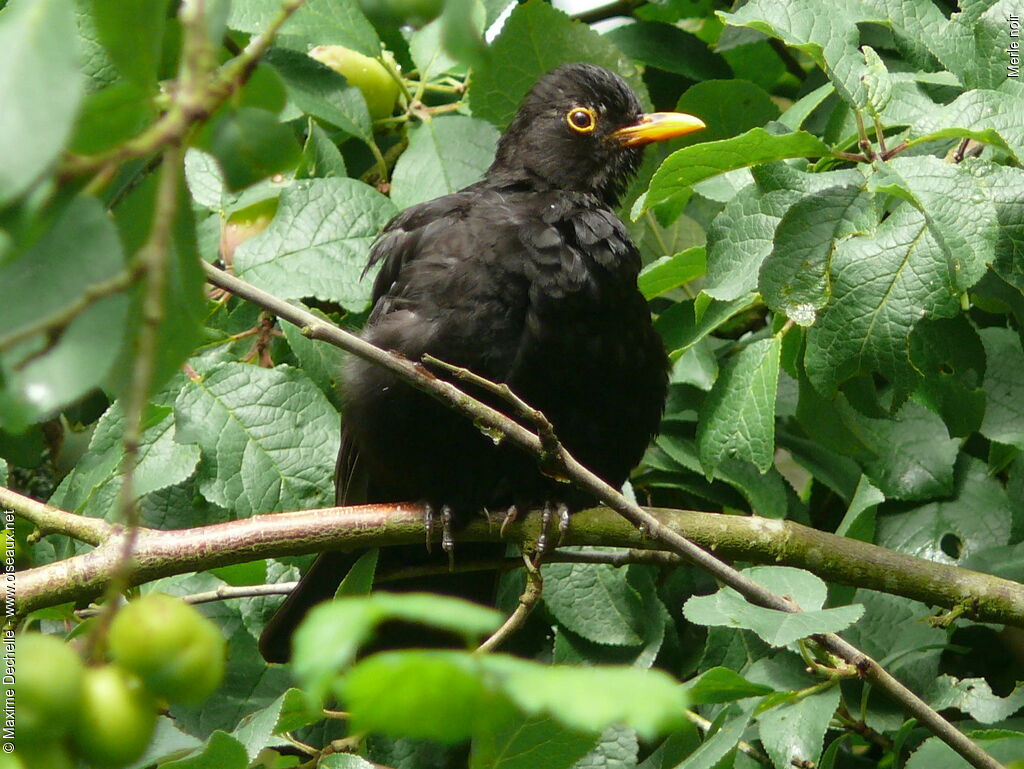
x,y
528,278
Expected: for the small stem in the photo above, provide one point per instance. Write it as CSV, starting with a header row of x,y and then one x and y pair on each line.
x,y
527,601
92,531
879,135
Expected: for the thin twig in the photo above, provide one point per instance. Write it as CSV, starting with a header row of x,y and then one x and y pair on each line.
x,y
222,593
527,601
744,747
49,519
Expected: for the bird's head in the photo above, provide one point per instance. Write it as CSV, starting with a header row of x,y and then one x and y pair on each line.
x,y
582,128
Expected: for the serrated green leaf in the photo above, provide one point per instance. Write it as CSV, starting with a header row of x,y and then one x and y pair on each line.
x,y
318,90
949,355
716,747
1004,186
595,601
793,278
268,437
720,684
1004,387
974,697
727,608
317,22
741,237
323,362
327,641
680,329
526,742
974,43
318,243
859,521
976,517
684,168
793,733
670,272
617,748
737,420
881,286
132,32
444,155
537,38
344,761
877,83
985,115
221,752
933,753
38,284
832,45
40,89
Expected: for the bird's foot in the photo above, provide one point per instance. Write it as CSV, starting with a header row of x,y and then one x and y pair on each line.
x,y
511,515
431,517
547,519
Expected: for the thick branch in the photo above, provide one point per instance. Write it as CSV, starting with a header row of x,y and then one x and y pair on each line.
x,y
488,417
759,540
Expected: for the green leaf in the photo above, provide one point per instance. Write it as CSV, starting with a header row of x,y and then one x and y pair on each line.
x,y
935,754
949,355
322,362
268,437
881,286
959,213
727,608
832,43
792,733
317,22
537,38
976,517
327,641
594,601
681,328
985,115
320,156
344,761
318,90
684,168
1004,186
1004,387
719,685
740,238
617,748
914,454
40,89
110,116
877,83
526,742
671,272
727,107
318,243
859,521
221,752
974,44
974,697
793,279
251,144
38,284
737,419
132,32
669,48
716,747
444,155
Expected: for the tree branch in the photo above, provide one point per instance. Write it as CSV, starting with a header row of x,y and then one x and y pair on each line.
x,y
53,520
491,419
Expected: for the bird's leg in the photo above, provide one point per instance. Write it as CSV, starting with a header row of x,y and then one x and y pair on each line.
x,y
547,517
447,541
428,525
511,515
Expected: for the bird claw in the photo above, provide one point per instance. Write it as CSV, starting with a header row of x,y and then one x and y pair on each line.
x,y
511,515
447,541
547,516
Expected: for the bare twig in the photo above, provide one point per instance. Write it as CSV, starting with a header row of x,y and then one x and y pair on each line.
x,y
531,595
49,519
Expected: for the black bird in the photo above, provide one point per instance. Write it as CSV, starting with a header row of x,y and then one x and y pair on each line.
x,y
528,278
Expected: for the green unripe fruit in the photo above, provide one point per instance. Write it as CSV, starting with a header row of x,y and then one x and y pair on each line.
x,y
174,649
117,719
368,75
51,755
47,689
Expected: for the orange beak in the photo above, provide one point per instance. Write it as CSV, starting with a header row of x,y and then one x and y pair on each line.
x,y
656,127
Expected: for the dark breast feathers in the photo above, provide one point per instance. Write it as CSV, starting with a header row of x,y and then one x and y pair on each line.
x,y
536,290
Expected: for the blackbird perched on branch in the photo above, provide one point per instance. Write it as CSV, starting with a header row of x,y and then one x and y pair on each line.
x,y
527,278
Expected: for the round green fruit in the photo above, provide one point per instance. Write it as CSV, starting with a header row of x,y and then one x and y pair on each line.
x,y
174,649
51,755
117,719
47,689
368,75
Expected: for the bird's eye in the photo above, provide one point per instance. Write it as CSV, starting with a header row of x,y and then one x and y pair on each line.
x,y
581,119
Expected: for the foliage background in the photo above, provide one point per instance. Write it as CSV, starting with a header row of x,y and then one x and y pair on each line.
x,y
845,328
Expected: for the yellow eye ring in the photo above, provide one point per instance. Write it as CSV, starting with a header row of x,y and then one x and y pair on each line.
x,y
582,120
